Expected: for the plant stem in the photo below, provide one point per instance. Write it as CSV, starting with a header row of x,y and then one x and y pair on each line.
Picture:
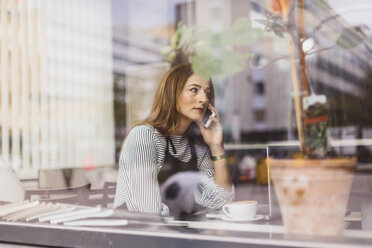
x,y
295,80
304,85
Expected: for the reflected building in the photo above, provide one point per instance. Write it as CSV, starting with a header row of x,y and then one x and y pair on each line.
x,y
341,69
140,29
134,53
256,104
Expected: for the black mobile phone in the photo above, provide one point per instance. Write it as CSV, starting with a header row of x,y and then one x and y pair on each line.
x,y
205,120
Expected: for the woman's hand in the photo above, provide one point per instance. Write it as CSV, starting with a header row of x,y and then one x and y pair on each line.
x,y
213,135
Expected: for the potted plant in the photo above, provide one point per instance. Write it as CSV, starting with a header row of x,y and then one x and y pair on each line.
x,y
313,187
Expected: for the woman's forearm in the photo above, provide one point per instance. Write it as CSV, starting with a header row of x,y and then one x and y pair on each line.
x,y
221,171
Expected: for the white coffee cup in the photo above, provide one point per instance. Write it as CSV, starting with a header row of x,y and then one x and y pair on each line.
x,y
241,209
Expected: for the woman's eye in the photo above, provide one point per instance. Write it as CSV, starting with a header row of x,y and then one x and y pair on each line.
x,y
195,90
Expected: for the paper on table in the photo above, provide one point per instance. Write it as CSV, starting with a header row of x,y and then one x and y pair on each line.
x,y
102,213
18,215
73,213
60,210
51,207
18,208
34,212
97,222
48,208
10,205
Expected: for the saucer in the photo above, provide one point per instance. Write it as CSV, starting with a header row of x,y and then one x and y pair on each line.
x,y
257,217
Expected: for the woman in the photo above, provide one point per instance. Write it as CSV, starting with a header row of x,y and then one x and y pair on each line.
x,y
166,136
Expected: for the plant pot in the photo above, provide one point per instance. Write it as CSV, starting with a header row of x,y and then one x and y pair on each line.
x,y
313,194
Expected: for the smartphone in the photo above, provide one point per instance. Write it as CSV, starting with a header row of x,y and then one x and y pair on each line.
x,y
206,121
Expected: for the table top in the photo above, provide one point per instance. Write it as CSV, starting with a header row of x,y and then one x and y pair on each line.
x,y
195,231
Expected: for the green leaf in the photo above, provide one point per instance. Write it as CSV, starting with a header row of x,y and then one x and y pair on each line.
x,y
256,34
227,38
242,38
207,40
165,50
179,25
216,40
203,65
247,37
243,23
186,35
349,38
212,53
174,40
232,62
171,56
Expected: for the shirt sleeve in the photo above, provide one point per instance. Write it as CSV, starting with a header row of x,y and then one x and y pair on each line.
x,y
208,193
137,183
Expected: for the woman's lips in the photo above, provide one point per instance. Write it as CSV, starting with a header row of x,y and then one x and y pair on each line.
x,y
201,110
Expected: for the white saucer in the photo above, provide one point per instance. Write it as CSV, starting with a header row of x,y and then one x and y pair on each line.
x,y
257,217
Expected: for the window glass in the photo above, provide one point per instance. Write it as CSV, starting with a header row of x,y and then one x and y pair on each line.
x,y
77,75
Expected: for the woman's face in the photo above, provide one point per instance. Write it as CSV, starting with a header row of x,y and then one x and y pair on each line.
x,y
194,99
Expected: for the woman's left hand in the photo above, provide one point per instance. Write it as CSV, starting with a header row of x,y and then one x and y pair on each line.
x,y
213,135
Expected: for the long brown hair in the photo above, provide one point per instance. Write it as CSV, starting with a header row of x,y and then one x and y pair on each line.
x,y
164,115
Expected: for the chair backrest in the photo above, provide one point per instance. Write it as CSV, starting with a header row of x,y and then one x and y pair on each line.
x,y
81,195
72,195
102,197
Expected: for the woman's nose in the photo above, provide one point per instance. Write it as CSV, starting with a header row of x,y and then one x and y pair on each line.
x,y
203,97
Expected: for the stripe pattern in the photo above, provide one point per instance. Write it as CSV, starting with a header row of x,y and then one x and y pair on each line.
x,y
142,158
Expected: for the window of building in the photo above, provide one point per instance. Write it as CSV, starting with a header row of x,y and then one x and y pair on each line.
x,y
259,115
259,88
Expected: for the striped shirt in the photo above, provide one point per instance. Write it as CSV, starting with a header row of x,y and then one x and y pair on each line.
x,y
140,161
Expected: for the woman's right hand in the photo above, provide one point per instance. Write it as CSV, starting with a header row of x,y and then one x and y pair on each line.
x,y
213,135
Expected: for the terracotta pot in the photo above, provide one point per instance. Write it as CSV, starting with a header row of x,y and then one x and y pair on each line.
x,y
313,194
